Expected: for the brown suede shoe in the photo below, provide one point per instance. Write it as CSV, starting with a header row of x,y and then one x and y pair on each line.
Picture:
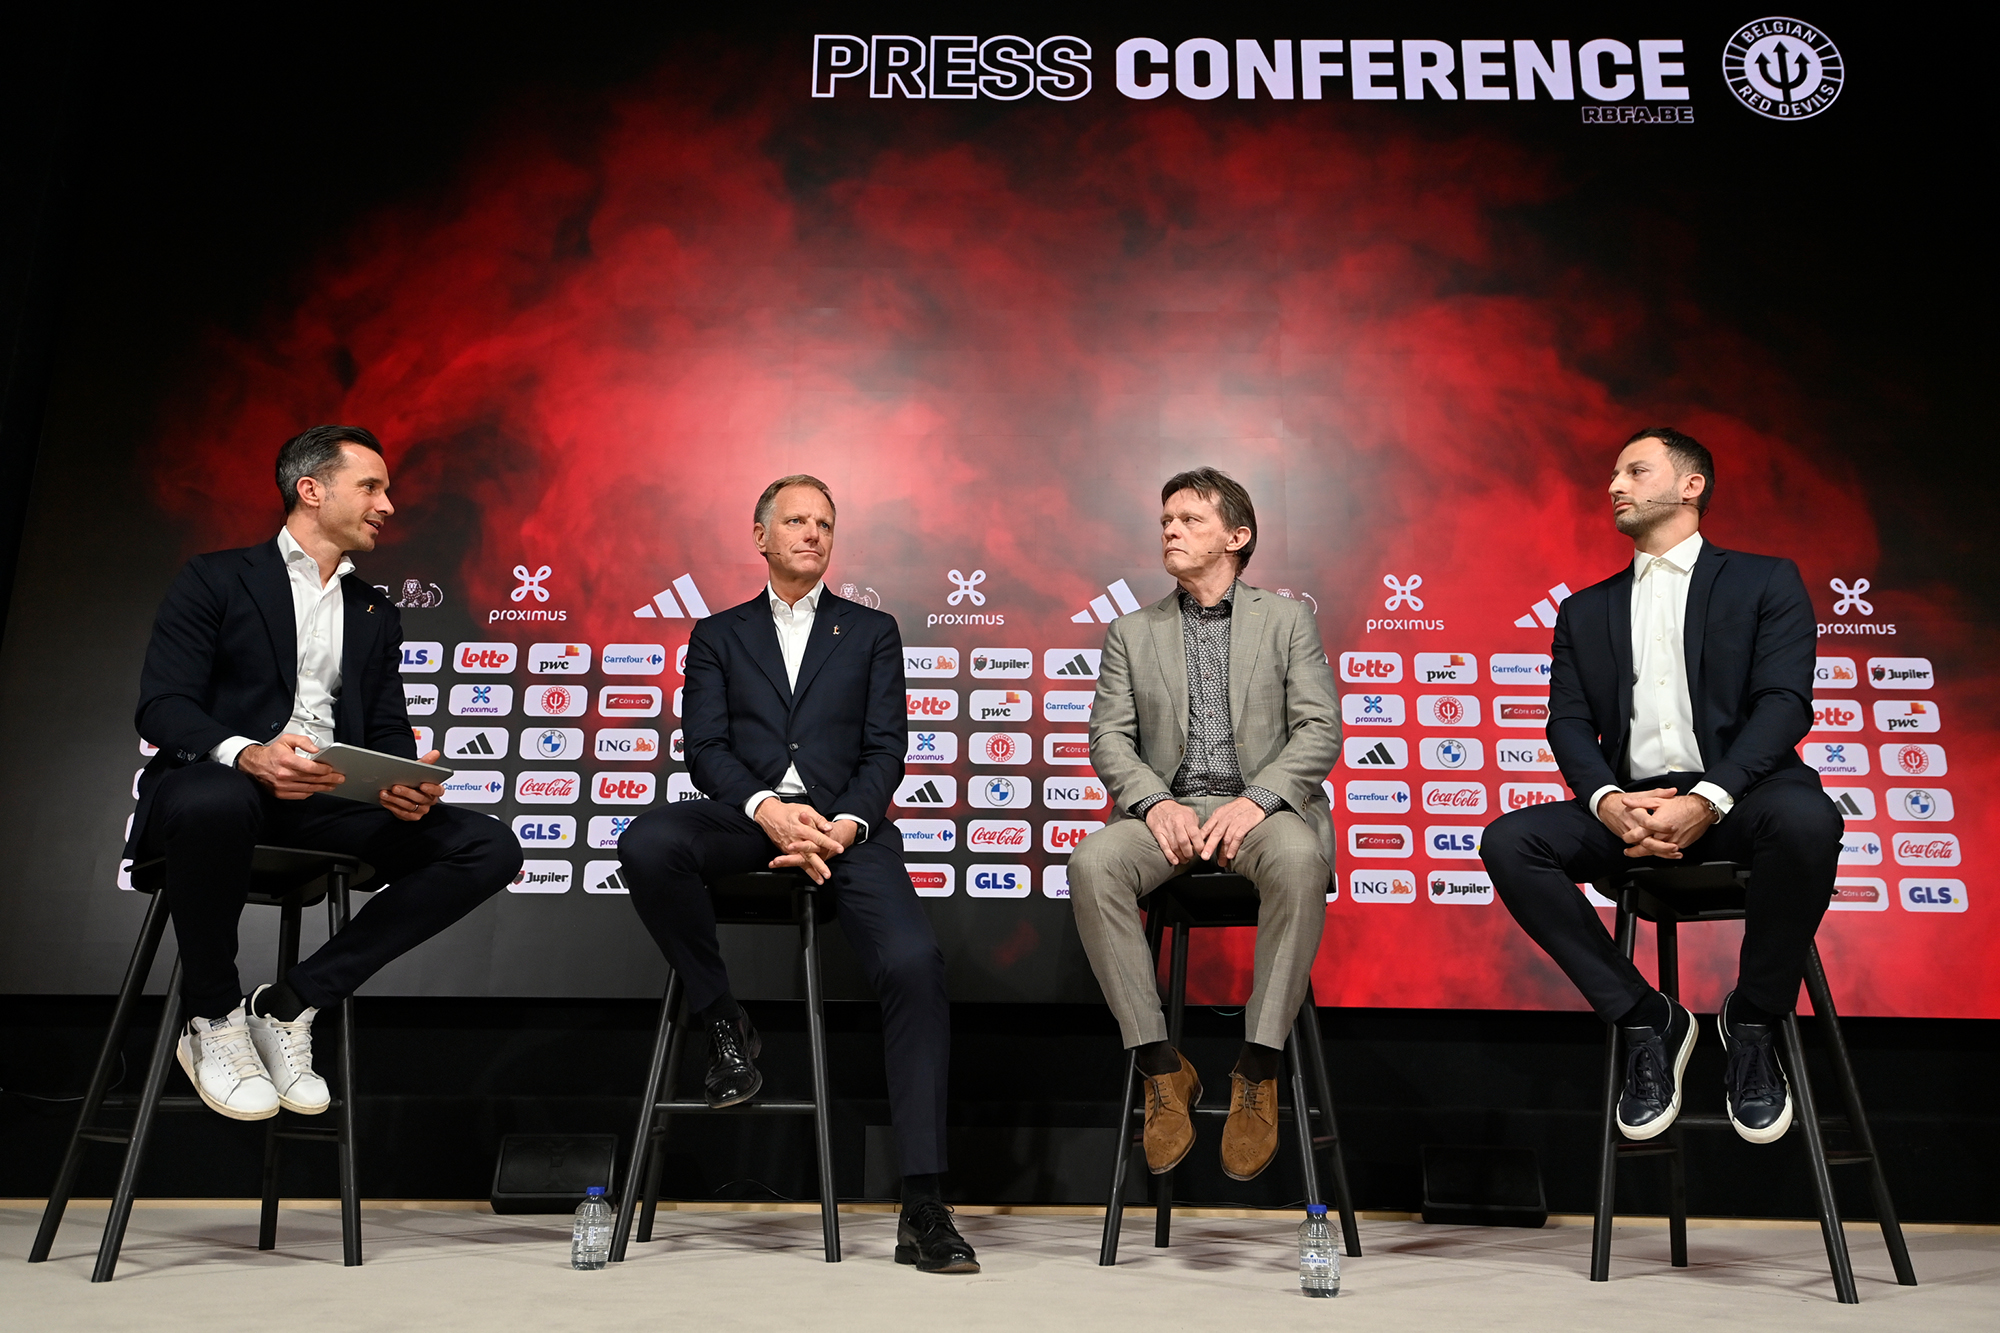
x,y
1169,1125
1250,1135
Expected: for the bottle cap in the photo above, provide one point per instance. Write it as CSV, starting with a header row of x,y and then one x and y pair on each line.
x,y
597,1192
1312,1209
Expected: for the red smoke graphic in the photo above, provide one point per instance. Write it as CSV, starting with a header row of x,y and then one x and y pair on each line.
x,y
994,343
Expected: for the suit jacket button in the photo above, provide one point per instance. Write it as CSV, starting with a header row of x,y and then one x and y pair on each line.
x,y
795,745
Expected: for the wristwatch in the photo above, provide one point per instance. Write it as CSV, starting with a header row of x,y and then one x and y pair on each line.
x,y
1713,809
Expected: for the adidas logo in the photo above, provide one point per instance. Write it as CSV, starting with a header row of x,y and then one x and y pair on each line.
x,y
1101,606
611,883
1543,614
925,794
478,745
664,607
1379,756
1076,666
1850,807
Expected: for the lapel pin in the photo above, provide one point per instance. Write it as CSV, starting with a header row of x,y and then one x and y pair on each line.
x,y
836,631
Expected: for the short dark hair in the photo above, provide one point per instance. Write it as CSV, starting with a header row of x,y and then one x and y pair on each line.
x,y
315,453
1689,455
1231,501
769,499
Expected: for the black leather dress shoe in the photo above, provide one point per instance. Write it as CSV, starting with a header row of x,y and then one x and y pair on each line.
x,y
732,1079
1754,1086
1654,1062
926,1237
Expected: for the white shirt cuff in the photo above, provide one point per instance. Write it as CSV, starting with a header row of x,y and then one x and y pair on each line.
x,y
859,822
227,752
750,806
1598,795
1721,799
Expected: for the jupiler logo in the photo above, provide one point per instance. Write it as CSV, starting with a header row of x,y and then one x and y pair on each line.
x,y
1783,69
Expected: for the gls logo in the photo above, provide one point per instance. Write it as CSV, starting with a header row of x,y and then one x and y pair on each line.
x,y
998,881
1456,841
545,830
423,656
1931,895
1005,69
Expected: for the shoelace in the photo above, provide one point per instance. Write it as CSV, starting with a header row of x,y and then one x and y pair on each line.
x,y
1753,1071
1253,1095
725,1042
930,1215
296,1041
1645,1074
230,1047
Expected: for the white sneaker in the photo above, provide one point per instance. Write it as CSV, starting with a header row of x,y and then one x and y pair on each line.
x,y
287,1052
223,1066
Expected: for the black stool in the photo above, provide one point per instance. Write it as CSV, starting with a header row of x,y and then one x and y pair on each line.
x,y
1205,899
283,877
1714,891
763,898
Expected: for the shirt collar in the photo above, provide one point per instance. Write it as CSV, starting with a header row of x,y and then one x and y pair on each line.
x,y
810,601
295,555
1189,606
1681,557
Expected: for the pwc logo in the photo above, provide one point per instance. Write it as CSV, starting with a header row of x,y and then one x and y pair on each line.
x,y
1447,668
1931,895
680,787
558,659
1521,711
932,879
628,788
1395,840
1371,668
1066,747
1381,886
423,656
1836,715
1007,836
998,881
1521,795
931,705
1905,715
1454,798
547,787
1926,849
1002,706
1060,837
485,658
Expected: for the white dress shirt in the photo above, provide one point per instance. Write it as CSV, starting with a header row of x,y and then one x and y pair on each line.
x,y
794,623
320,621
1663,739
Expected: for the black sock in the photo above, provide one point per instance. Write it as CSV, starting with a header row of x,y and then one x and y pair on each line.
x,y
921,1189
1742,1011
722,1006
281,1002
1158,1059
1651,1012
1259,1064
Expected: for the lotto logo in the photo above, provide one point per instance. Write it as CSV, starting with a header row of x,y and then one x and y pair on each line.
x,y
1066,747
932,879
1381,886
998,881
1520,795
1521,711
1074,792
1380,840
1859,895
1931,895
1060,837
555,700
422,656
931,705
1006,836
1471,887
1454,798
1905,715
545,830
1375,752
546,787
1001,747
1447,710
1913,761
1447,669
1836,673
633,701
1901,673
1372,710
928,835
1836,715
558,659
485,658
1456,841
628,788
1830,759
1371,668
1454,753
1367,798
931,747
927,791
1002,705
930,663
542,877
1926,849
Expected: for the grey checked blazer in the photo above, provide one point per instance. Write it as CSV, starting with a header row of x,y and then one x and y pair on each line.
x,y
1282,705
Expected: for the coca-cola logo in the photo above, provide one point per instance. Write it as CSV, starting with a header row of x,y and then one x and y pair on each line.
x,y
1463,799
1936,849
556,699
1449,711
1524,712
1913,759
1003,836
1379,841
550,786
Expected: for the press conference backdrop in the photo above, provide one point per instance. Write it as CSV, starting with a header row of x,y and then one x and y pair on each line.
x,y
993,289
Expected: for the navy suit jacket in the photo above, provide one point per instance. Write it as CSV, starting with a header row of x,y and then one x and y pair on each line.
x,y
223,661
1749,640
845,725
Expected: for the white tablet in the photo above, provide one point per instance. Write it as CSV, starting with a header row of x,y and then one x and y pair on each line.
x,y
370,772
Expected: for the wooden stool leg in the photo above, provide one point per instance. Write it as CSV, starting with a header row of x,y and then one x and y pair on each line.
x,y
1829,1212
1163,1184
142,1129
100,1078
642,1137
1607,1155
1130,1108
829,1201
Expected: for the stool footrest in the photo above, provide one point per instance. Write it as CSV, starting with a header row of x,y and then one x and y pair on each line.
x,y
748,1108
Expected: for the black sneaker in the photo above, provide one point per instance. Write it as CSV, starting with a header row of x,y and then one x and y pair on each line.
x,y
926,1237
1754,1087
1654,1061
732,1079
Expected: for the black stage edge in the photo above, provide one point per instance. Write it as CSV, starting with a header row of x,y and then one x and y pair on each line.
x,y
1033,1093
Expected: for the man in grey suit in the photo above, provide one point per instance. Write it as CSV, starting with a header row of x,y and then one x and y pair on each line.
x,y
1214,725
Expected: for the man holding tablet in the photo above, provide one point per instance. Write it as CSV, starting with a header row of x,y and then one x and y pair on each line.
x,y
260,658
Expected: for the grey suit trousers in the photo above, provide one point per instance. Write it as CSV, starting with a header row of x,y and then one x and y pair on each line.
x,y
1121,863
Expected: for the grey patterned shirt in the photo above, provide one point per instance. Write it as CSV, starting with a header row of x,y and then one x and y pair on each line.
x,y
1210,766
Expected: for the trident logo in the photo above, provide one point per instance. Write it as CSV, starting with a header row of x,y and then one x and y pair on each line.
x,y
1785,83
1403,594
966,588
531,583
1850,598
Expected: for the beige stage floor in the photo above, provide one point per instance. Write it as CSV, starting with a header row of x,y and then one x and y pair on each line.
x,y
197,1268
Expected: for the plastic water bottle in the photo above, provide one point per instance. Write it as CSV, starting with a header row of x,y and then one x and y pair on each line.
x,y
590,1238
1319,1256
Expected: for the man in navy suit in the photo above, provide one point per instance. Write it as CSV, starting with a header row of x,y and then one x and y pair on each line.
x,y
1681,687
796,726
260,658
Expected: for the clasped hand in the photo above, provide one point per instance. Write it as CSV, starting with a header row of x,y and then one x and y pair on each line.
x,y
805,838
280,769
1183,836
1660,822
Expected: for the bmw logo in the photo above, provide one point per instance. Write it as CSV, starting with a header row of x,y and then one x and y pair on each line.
x,y
1000,791
550,743
1450,753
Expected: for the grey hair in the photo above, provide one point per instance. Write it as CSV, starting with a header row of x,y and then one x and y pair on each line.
x,y
315,453
768,501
